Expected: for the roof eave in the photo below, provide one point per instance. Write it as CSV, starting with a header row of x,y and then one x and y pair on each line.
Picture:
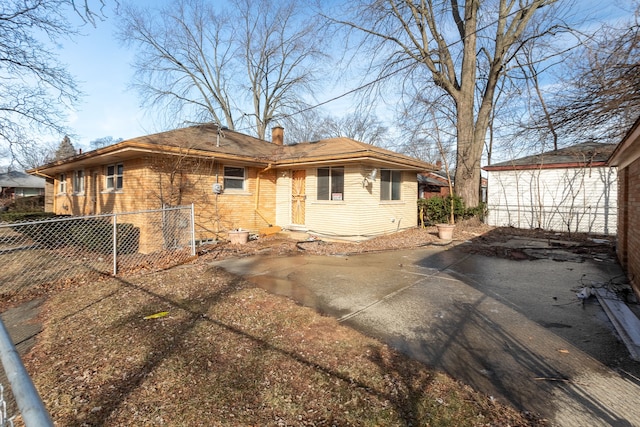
x,y
376,160
547,166
626,152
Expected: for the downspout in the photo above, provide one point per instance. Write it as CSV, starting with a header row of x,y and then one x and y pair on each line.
x,y
256,209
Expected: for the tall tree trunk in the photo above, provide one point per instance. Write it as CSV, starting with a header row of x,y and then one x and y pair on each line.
x,y
469,154
469,145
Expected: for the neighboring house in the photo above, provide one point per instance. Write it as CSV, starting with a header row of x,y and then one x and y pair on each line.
x,y
626,158
20,184
432,184
335,187
571,189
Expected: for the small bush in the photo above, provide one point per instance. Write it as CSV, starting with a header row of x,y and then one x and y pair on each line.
x,y
97,236
436,210
49,234
94,234
25,216
28,204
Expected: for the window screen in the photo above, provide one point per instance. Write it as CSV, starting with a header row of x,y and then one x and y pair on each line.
x,y
331,183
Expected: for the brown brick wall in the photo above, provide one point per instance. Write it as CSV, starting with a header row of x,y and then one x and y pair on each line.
x,y
623,224
633,235
152,181
629,222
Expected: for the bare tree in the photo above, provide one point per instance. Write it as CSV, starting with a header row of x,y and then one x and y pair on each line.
x,y
600,97
201,63
427,126
359,125
305,126
103,142
30,154
35,89
464,50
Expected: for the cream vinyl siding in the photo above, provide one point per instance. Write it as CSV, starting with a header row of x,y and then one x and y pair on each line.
x,y
569,199
361,214
283,198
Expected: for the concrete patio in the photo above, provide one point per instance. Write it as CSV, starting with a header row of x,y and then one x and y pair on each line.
x,y
514,330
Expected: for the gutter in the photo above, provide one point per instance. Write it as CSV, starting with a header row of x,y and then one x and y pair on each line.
x,y
545,166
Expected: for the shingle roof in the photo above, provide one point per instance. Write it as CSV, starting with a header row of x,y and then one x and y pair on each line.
x,y
18,179
333,149
579,155
208,138
208,141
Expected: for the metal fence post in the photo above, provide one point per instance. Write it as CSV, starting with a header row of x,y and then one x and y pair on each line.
x,y
193,230
27,398
115,244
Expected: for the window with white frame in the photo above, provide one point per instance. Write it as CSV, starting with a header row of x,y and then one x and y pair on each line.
x,y
114,177
331,183
62,183
390,184
234,178
78,181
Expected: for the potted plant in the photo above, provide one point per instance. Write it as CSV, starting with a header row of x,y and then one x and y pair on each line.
x,y
238,236
445,231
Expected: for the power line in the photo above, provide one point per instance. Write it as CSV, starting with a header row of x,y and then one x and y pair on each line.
x,y
386,76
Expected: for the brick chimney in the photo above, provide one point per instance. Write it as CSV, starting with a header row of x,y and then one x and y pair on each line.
x,y
277,135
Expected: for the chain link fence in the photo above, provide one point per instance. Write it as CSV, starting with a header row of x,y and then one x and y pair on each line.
x,y
42,254
572,219
37,257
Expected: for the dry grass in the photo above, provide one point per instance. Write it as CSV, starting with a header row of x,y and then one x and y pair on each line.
x,y
230,354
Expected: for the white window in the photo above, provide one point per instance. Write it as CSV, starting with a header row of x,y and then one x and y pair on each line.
x,y
331,183
390,184
234,178
114,177
78,182
62,183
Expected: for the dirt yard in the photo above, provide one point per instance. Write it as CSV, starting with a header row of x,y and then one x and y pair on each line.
x,y
193,345
472,236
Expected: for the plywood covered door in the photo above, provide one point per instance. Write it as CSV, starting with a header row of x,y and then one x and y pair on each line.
x,y
298,196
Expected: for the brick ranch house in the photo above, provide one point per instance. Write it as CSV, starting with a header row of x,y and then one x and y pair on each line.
x,y
338,187
627,159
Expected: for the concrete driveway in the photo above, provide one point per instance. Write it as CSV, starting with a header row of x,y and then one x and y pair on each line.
x,y
514,330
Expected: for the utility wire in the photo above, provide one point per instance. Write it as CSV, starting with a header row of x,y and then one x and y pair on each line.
x,y
383,77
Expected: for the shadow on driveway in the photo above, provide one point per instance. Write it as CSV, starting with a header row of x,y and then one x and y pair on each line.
x,y
514,330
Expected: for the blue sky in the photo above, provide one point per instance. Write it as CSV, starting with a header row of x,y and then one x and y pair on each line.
x,y
102,70
110,108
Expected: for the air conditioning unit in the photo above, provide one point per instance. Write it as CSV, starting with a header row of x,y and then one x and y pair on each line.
x,y
217,188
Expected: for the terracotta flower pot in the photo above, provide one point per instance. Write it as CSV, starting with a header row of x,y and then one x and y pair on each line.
x,y
238,237
445,231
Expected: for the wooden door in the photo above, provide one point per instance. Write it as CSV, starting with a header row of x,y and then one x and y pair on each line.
x,y
298,197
